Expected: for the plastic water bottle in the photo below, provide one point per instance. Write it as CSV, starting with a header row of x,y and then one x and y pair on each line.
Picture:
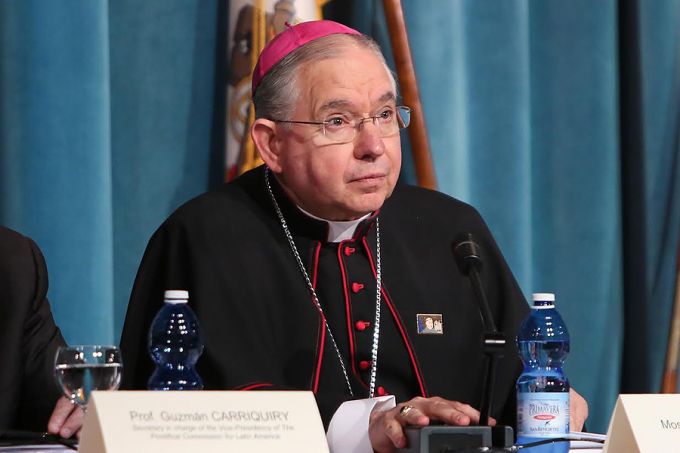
x,y
175,343
543,389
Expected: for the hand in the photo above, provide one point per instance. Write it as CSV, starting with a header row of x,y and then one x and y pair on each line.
x,y
66,419
578,410
386,428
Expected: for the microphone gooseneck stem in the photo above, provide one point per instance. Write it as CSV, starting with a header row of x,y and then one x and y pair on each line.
x,y
467,253
480,297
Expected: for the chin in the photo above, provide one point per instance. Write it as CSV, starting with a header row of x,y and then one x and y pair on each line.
x,y
368,204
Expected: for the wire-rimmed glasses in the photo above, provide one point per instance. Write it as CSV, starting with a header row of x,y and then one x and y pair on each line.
x,y
339,129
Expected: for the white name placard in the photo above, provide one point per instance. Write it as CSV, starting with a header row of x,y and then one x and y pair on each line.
x,y
644,424
207,421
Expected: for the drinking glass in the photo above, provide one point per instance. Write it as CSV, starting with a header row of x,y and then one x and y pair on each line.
x,y
81,369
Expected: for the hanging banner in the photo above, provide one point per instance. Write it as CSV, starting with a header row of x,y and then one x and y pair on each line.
x,y
252,24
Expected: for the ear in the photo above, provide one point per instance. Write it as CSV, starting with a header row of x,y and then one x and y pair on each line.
x,y
267,143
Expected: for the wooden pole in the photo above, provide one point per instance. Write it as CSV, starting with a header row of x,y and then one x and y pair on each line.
x,y
406,74
669,383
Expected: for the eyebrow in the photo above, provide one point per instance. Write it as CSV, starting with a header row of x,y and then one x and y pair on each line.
x,y
334,104
389,96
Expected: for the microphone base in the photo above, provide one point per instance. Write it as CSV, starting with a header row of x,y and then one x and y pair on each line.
x,y
458,439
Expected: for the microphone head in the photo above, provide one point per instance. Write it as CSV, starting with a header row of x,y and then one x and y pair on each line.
x,y
468,254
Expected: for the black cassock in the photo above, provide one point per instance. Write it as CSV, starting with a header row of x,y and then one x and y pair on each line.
x,y
263,331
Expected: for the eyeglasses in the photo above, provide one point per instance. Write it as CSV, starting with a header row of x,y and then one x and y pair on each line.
x,y
341,129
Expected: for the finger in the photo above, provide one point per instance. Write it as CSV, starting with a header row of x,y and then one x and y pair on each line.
x,y
578,410
413,417
385,432
386,429
62,410
576,421
395,432
468,411
73,424
451,412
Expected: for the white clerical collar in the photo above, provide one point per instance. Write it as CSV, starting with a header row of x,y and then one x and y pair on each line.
x,y
339,230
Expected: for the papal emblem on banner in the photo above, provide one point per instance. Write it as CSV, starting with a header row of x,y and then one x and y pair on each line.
x,y
252,24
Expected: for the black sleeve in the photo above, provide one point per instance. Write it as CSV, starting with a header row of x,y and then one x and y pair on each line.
x,y
40,340
145,301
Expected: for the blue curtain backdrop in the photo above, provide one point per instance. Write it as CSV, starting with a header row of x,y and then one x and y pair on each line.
x,y
106,126
558,120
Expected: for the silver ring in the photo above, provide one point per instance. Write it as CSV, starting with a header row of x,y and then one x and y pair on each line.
x,y
405,409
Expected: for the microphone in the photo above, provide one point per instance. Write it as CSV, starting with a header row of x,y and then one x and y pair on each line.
x,y
467,253
468,258
430,439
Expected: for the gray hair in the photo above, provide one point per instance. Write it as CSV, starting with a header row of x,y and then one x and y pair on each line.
x,y
278,89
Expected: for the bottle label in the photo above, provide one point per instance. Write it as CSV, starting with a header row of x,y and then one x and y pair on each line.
x,y
543,414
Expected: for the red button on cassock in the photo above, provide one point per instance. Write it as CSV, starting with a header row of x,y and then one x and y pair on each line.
x,y
382,391
362,325
356,287
365,364
349,250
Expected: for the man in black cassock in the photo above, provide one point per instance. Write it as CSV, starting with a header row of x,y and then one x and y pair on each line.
x,y
310,272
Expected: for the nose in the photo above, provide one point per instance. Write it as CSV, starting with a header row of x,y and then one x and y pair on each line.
x,y
368,143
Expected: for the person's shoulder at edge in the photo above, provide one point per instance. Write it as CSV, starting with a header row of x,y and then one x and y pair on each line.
x,y
16,251
430,204
218,205
10,239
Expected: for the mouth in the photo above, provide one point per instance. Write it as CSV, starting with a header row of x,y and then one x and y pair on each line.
x,y
369,178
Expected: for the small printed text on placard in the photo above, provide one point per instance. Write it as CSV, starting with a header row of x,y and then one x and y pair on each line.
x,y
668,424
212,425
